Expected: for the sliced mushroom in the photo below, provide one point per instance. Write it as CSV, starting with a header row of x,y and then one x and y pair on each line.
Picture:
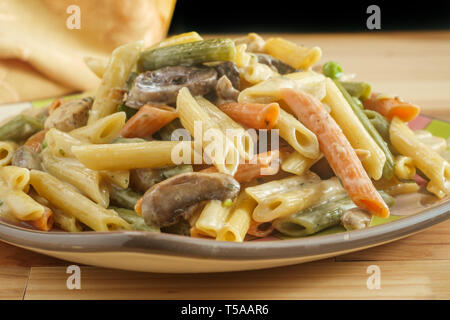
x,y
356,218
161,86
275,64
166,202
230,70
70,115
25,157
225,92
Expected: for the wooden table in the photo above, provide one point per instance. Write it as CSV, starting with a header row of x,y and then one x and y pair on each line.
x,y
414,65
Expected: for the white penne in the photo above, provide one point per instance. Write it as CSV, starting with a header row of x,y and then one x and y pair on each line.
x,y
251,70
354,131
75,204
396,187
65,221
299,57
97,65
126,156
103,130
61,143
242,58
436,144
212,219
7,149
110,92
15,177
253,41
238,221
212,140
428,161
87,181
118,178
269,90
297,199
265,190
298,164
297,135
241,139
404,168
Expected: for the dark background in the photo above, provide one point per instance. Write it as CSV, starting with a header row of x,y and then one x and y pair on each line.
x,y
233,16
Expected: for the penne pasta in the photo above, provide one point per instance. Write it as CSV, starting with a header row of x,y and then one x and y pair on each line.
x,y
7,149
45,222
75,204
242,140
396,187
103,130
178,39
97,65
87,181
269,91
213,141
404,168
428,161
212,219
338,151
354,131
299,57
437,144
15,178
390,107
297,135
110,92
253,115
260,229
118,178
60,143
126,156
148,120
239,220
65,221
298,164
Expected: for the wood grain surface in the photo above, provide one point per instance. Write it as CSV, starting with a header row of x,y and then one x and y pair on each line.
x,y
415,65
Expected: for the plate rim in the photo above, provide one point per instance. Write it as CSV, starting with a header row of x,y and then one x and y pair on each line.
x,y
186,247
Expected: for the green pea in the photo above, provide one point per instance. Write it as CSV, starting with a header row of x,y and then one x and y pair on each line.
x,y
332,69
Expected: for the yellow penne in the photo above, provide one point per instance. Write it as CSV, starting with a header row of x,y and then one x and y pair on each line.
x,y
103,130
241,139
15,177
65,221
97,65
207,134
253,42
60,143
428,161
110,92
297,56
269,90
87,181
298,164
436,144
126,156
404,168
75,204
118,178
238,221
7,149
178,39
354,131
212,219
297,135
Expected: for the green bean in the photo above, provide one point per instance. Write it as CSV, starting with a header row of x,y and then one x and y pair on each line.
x,y
388,169
127,140
320,217
182,227
136,221
20,128
332,69
128,111
314,219
169,172
382,126
165,133
187,54
361,90
130,79
123,198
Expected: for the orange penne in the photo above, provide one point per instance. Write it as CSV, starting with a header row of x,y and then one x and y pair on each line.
x,y
264,166
147,121
392,107
260,229
253,115
35,141
337,150
44,223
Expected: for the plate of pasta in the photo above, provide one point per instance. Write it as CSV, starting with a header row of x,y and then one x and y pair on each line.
x,y
208,155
